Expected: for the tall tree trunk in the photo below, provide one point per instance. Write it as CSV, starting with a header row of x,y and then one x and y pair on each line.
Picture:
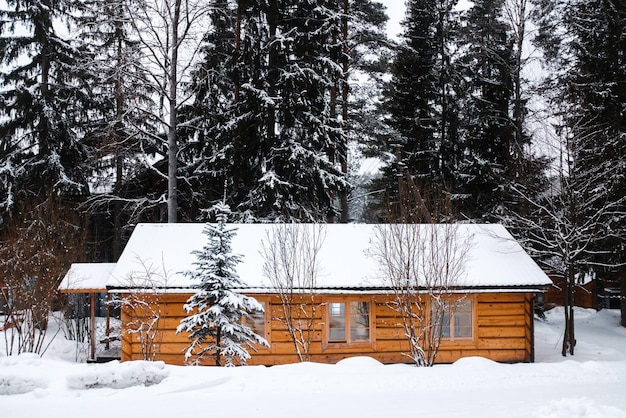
x,y
516,11
569,340
443,85
343,152
172,143
333,147
44,131
218,347
272,21
236,76
623,295
119,131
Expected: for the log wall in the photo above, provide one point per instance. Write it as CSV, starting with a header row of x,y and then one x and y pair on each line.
x,y
502,331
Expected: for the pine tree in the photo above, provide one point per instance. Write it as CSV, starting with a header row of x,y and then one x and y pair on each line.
x,y
216,309
597,92
222,127
265,81
366,54
43,104
296,179
414,90
420,99
525,177
487,133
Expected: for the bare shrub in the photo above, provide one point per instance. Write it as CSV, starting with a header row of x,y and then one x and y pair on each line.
x,y
422,260
141,306
422,263
291,263
38,245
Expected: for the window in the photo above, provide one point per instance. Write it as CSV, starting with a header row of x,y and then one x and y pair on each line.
x,y
458,323
256,322
349,322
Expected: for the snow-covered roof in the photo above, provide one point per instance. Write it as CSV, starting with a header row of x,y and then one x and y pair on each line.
x,y
87,277
157,255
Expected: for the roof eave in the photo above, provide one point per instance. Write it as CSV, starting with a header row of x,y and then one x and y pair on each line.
x,y
538,288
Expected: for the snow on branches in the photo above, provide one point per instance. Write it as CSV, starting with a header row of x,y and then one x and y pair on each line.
x,y
216,309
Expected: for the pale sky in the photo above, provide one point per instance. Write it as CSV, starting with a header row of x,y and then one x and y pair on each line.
x,y
395,11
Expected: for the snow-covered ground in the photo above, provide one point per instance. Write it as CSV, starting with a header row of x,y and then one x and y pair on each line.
x,y
590,384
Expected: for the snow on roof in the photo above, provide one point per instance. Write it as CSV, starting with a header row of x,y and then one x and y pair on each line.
x,y
157,255
87,277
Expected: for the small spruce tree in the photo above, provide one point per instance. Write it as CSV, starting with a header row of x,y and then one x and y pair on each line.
x,y
216,309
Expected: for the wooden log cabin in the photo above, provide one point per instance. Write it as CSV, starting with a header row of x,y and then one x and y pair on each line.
x,y
351,308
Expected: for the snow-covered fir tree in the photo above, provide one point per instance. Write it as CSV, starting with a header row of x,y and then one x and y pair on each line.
x,y
365,59
44,102
271,104
419,99
413,91
216,309
218,139
486,125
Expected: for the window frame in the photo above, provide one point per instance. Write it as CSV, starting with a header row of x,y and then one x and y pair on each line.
x,y
452,337
347,300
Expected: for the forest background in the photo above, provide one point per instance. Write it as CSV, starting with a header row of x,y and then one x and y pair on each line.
x,y
114,112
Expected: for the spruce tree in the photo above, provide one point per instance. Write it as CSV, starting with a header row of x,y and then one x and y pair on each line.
x,y
272,100
413,90
597,92
43,104
486,127
216,309
365,57
222,130
297,180
420,100
271,127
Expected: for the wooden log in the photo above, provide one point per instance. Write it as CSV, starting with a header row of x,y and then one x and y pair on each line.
x,y
502,343
501,297
500,309
503,320
501,332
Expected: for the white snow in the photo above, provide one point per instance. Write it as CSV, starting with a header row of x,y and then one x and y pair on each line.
x,y
87,276
590,384
165,252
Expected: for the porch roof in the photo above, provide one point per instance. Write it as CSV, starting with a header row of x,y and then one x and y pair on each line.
x,y
87,278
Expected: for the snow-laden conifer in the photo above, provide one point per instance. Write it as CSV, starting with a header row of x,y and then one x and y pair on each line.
x,y
43,103
486,126
216,309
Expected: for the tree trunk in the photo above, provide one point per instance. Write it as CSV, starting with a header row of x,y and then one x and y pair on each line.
x,y
43,127
569,341
333,148
218,349
518,21
623,296
343,152
172,143
119,132
236,77
272,21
